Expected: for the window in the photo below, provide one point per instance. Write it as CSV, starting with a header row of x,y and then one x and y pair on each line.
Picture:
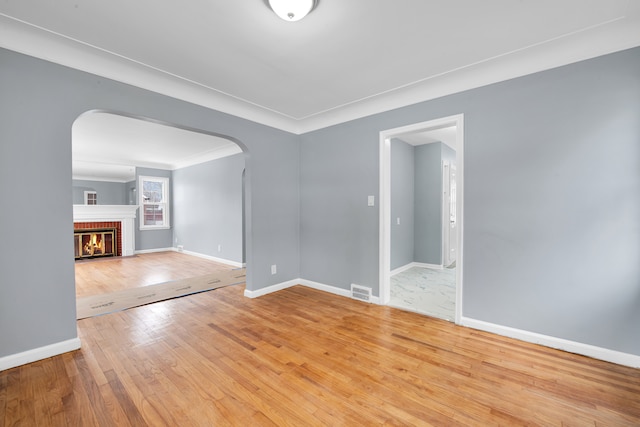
x,y
90,198
154,202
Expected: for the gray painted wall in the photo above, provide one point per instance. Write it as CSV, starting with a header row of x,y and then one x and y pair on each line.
x,y
339,232
552,200
416,197
402,203
38,106
428,200
428,203
448,154
131,194
109,193
155,239
551,236
207,200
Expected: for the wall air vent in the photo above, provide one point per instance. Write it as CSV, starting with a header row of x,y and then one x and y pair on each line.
x,y
361,293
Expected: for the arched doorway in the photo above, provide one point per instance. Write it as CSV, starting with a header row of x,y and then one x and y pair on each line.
x,y
116,155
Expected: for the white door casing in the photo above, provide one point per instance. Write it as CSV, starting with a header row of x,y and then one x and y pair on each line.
x,y
449,217
385,203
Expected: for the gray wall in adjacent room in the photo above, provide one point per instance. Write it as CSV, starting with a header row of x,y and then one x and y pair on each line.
x,y
109,193
448,154
207,200
428,200
402,203
131,193
154,239
416,197
551,240
428,203
39,103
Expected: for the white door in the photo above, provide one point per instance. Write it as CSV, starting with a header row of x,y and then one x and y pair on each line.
x,y
449,220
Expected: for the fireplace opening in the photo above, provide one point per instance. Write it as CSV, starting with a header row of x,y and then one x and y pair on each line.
x,y
93,243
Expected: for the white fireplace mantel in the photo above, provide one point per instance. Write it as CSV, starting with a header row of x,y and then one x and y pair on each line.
x,y
125,214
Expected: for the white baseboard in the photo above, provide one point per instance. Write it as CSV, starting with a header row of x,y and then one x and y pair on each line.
x,y
211,258
415,264
424,265
39,353
401,269
558,343
532,337
270,289
326,288
152,251
309,284
196,254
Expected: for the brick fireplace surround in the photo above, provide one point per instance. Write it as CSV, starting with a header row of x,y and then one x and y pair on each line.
x,y
120,217
103,224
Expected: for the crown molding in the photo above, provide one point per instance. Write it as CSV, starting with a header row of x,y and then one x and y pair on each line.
x,y
101,179
220,153
612,36
609,37
38,42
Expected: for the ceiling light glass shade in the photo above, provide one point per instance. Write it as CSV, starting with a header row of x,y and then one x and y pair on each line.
x,y
292,10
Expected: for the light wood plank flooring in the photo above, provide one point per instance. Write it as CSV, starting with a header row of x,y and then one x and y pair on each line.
x,y
104,275
302,357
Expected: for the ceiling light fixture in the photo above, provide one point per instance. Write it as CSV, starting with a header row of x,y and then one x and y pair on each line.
x,y
292,10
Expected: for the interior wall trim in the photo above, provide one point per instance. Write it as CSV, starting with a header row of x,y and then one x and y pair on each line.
x,y
426,265
415,264
401,269
210,258
41,43
326,288
29,356
616,35
384,221
309,284
153,251
588,350
270,289
592,351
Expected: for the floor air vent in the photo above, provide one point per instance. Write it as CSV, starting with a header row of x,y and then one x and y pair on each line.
x,y
361,292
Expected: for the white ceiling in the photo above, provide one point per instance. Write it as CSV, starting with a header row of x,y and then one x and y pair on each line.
x,y
347,59
108,147
446,135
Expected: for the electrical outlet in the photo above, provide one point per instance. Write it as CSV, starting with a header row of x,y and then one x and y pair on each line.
x,y
180,248
219,248
274,269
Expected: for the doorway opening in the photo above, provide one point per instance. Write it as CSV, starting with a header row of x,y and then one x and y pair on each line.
x,y
440,248
116,153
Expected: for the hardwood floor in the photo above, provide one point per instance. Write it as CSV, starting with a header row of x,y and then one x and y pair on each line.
x,y
303,357
101,276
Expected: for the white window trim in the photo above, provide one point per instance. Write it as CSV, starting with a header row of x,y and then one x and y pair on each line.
x,y
86,196
165,197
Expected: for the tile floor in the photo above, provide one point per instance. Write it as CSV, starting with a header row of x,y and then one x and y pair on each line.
x,y
426,291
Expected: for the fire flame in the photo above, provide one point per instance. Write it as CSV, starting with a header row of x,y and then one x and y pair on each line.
x,y
94,245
